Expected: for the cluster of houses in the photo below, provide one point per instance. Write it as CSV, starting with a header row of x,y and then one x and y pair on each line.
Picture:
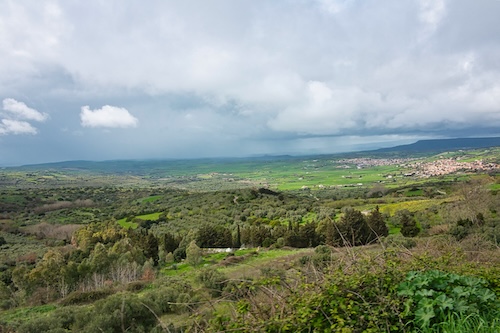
x,y
450,165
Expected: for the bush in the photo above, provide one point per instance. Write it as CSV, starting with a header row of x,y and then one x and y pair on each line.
x,y
408,225
399,241
179,254
362,300
432,297
137,285
84,297
60,320
122,312
164,298
213,280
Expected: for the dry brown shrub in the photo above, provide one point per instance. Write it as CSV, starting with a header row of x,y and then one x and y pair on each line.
x,y
45,230
439,229
228,261
479,249
63,205
29,258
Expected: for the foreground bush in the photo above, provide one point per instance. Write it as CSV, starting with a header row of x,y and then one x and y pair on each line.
x,y
435,297
360,298
380,293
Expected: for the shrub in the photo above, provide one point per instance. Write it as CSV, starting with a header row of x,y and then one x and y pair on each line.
x,y
122,312
179,254
408,225
84,297
213,280
398,240
432,297
363,299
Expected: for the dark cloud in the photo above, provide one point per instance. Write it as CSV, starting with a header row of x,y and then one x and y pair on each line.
x,y
232,78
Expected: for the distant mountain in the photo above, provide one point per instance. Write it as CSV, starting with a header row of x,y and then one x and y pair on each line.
x,y
143,167
440,145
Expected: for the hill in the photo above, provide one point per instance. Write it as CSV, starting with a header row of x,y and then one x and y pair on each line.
x,y
440,145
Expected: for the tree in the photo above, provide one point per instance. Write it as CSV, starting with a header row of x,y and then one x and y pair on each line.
x,y
151,248
170,243
48,273
99,259
377,224
193,254
210,235
331,234
408,225
353,228
237,241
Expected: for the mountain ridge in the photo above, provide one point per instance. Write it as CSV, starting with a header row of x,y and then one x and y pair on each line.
x,y
440,145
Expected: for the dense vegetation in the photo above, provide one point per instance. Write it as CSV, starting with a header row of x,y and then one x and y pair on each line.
x,y
145,251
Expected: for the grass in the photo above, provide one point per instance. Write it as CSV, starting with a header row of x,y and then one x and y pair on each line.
x,y
127,224
25,314
151,198
255,259
466,324
264,258
132,225
152,216
414,193
412,205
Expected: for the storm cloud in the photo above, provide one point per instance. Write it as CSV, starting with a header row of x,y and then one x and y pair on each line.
x,y
229,78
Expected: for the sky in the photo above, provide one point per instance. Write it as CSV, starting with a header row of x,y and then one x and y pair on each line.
x,y
114,79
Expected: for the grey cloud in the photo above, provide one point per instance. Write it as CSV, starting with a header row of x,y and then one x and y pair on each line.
x,y
9,126
252,73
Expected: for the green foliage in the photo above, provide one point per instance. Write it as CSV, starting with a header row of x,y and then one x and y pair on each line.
x,y
151,248
376,222
213,280
170,243
466,324
363,300
408,224
120,313
193,254
36,267
5,296
84,297
432,297
210,235
321,258
353,230
179,254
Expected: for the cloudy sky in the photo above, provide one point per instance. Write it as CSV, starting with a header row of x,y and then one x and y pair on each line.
x,y
100,80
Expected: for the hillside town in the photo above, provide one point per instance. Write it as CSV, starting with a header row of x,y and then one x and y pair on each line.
x,y
450,165
420,168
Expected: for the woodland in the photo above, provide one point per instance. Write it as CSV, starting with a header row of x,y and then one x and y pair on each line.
x,y
366,242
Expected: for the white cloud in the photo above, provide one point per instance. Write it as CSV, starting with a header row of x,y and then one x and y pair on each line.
x,y
107,116
19,110
9,126
14,115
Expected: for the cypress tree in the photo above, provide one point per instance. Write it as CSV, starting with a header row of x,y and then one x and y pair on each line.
x,y
377,224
